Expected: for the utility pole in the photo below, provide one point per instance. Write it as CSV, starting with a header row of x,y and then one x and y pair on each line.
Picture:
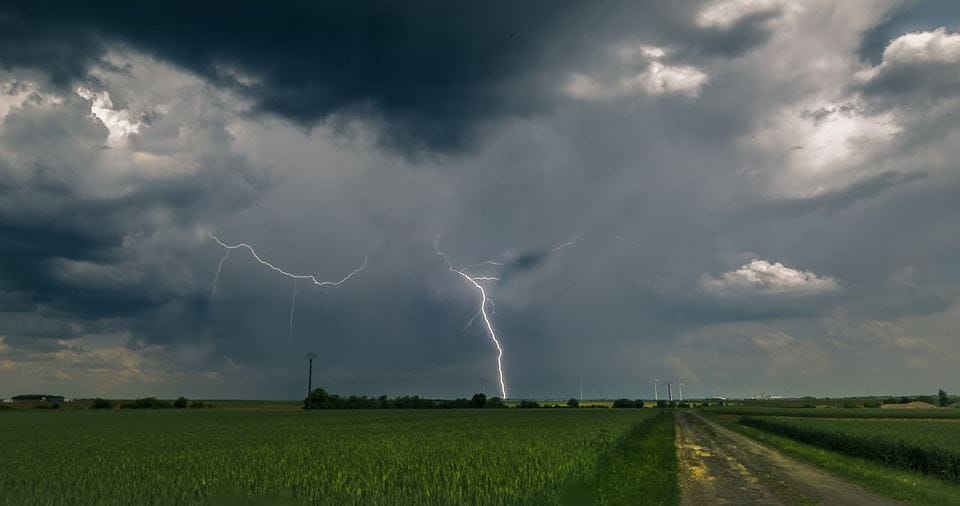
x,y
310,356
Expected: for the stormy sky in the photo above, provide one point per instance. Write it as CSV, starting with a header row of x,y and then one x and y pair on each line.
x,y
745,196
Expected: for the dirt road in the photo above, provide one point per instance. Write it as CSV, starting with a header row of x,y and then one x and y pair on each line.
x,y
718,466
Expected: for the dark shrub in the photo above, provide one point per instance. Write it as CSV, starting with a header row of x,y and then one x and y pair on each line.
x,y
573,403
146,403
495,402
180,403
479,400
99,403
528,404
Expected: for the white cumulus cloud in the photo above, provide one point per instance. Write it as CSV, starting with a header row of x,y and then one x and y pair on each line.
x,y
760,277
923,64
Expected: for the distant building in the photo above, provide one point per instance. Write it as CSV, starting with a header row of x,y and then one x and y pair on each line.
x,y
39,397
909,405
8,401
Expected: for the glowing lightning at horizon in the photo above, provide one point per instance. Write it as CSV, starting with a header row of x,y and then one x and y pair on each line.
x,y
475,281
294,277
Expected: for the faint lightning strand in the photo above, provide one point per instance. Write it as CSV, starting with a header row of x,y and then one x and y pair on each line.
x,y
293,308
631,241
475,281
571,242
216,278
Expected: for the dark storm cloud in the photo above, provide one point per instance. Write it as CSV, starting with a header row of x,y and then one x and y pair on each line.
x,y
102,233
431,70
71,225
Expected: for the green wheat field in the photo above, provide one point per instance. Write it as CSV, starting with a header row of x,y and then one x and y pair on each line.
x,y
338,457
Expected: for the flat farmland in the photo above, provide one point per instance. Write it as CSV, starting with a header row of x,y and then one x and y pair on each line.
x,y
336,457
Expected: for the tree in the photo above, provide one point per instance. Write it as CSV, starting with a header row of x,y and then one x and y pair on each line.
x,y
944,399
319,398
479,400
661,403
99,403
573,403
638,403
181,402
197,405
623,403
529,404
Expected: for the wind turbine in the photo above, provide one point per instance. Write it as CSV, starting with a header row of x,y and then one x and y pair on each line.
x,y
670,391
656,395
680,386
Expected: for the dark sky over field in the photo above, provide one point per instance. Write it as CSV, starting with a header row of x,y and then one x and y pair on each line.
x,y
761,195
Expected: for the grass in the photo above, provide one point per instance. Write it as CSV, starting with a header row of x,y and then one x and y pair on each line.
x,y
908,486
332,457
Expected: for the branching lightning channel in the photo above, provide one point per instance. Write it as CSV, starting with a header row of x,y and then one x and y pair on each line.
x,y
294,277
485,300
476,281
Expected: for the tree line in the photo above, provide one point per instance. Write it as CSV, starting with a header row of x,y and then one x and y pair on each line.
x,y
149,403
321,399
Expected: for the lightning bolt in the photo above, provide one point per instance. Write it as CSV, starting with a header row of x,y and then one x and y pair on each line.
x,y
295,277
485,300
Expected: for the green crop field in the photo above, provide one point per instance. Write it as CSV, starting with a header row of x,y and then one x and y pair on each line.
x,y
929,447
337,457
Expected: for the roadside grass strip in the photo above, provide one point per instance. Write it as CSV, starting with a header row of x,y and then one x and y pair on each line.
x,y
639,468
